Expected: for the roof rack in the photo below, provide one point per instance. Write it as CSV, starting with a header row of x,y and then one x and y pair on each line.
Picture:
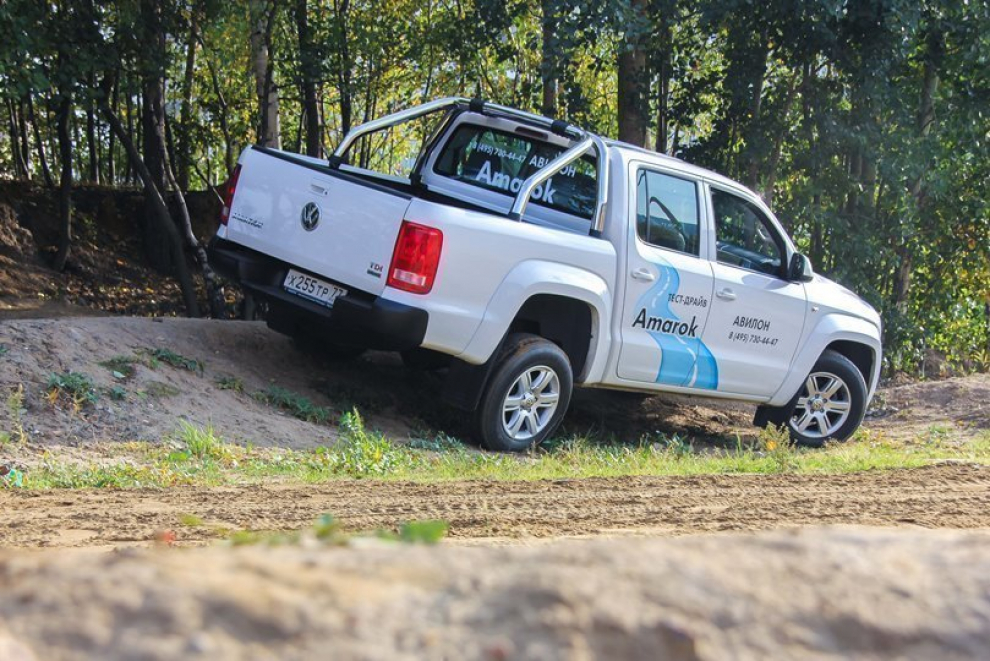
x,y
585,141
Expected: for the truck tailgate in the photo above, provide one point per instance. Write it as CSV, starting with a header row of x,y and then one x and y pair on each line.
x,y
329,223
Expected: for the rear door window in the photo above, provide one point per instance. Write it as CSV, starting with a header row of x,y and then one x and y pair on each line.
x,y
501,161
667,211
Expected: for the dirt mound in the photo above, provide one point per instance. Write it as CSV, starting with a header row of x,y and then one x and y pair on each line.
x,y
825,593
958,405
946,496
241,359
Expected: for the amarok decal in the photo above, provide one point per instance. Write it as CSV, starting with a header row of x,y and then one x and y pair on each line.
x,y
666,326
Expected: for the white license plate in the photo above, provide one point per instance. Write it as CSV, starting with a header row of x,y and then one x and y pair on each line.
x,y
312,288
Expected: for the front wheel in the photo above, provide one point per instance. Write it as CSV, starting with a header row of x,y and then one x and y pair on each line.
x,y
831,403
527,395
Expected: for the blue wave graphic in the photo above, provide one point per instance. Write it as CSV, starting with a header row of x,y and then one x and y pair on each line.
x,y
684,361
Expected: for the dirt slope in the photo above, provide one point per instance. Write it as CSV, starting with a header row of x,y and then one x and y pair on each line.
x,y
948,496
390,397
811,594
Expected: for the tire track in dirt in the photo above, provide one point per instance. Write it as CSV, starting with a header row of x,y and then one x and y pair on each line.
x,y
945,496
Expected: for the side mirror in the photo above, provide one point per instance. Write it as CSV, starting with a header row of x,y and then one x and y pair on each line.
x,y
799,269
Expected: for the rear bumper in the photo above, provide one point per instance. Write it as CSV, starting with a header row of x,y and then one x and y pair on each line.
x,y
358,319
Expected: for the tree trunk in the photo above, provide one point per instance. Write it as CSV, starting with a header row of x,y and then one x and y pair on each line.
x,y
20,168
65,183
184,149
262,24
91,140
111,141
310,76
634,119
39,144
770,175
161,215
344,65
663,83
549,64
25,147
934,51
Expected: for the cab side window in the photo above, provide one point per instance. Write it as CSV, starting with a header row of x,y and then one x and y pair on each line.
x,y
667,211
744,237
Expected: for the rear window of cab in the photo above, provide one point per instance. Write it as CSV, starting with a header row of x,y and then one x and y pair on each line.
x,y
501,161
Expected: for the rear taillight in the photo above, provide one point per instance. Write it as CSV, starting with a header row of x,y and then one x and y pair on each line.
x,y
228,198
415,259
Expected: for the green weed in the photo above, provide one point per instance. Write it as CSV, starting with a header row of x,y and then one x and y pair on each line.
x,y
230,383
169,357
72,388
202,442
776,443
328,531
117,393
294,404
160,390
3,350
13,416
121,367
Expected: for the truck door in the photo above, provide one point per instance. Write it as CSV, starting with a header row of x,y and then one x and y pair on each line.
x,y
756,316
668,284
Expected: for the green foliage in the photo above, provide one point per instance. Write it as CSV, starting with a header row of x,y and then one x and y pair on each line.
x,y
817,106
117,393
74,388
423,532
121,367
230,383
202,442
3,350
176,360
298,406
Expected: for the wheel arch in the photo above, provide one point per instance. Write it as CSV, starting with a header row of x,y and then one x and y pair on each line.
x,y
855,338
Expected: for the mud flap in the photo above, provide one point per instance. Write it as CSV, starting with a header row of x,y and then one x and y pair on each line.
x,y
465,383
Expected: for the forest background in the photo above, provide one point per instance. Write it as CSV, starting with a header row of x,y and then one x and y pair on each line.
x,y
863,123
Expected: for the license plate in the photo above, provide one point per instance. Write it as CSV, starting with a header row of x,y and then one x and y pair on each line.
x,y
312,288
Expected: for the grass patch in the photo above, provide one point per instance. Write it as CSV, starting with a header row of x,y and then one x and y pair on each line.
x,y
230,383
199,456
72,388
296,405
3,350
328,531
160,390
169,357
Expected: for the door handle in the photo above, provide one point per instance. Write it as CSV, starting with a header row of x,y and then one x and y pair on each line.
x,y
726,293
644,275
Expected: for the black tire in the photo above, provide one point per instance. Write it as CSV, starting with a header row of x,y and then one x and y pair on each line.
x,y
834,365
531,355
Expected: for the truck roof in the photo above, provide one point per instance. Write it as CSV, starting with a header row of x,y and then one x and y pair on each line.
x,y
673,161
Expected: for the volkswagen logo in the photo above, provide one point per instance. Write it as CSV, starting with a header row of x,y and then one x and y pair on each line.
x,y
310,216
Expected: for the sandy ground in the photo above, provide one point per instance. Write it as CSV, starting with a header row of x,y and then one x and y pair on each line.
x,y
947,496
809,594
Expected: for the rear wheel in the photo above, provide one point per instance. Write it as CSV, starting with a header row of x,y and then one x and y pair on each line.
x,y
527,395
830,404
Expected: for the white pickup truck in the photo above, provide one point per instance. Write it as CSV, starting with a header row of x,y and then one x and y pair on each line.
x,y
532,257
